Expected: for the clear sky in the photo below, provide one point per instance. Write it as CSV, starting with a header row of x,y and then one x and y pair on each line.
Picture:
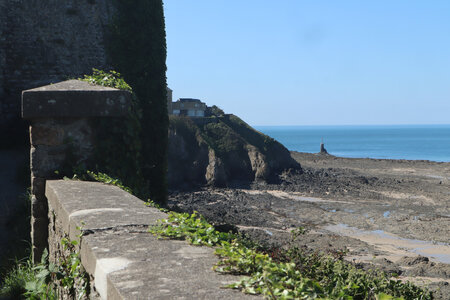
x,y
315,62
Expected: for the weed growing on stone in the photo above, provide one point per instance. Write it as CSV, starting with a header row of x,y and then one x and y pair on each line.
x,y
42,287
153,204
191,227
71,274
38,281
285,274
110,79
105,178
13,285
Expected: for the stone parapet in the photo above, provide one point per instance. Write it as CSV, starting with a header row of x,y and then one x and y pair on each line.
x,y
62,135
122,259
74,99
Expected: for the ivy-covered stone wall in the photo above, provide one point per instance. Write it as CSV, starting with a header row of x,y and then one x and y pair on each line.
x,y
47,41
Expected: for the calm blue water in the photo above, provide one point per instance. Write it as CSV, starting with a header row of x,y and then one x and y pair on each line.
x,y
430,142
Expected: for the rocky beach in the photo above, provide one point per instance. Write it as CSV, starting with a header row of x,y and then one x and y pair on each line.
x,y
388,214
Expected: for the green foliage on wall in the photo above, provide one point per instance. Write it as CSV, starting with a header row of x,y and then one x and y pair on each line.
x,y
286,272
119,150
137,48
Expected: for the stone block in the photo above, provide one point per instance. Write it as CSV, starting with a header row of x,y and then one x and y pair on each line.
x,y
46,133
39,236
74,98
45,160
38,186
123,259
75,135
39,207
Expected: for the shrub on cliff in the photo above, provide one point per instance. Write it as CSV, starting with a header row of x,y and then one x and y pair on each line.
x,y
222,149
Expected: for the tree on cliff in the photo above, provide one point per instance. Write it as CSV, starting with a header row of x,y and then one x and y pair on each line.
x,y
137,48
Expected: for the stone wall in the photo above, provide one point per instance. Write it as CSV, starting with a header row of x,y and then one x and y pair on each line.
x,y
4,105
121,258
46,41
62,136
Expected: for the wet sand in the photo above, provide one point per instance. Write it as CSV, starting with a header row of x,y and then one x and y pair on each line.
x,y
389,214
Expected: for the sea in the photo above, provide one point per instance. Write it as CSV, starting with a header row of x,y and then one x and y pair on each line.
x,y
412,142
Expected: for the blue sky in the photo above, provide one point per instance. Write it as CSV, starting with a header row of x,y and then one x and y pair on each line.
x,y
295,62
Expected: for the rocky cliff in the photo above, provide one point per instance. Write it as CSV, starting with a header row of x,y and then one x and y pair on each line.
x,y
222,150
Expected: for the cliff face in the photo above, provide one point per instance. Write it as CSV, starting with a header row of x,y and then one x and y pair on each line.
x,y
221,150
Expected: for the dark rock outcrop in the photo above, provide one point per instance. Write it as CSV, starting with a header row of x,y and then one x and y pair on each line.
x,y
220,151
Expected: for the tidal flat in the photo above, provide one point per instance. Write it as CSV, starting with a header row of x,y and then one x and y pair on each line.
x,y
387,214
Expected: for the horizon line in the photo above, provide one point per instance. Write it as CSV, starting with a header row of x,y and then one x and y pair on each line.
x,y
337,125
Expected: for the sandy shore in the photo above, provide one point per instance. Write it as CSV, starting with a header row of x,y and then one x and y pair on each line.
x,y
391,214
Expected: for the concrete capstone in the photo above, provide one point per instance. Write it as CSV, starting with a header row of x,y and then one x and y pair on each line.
x,y
72,99
123,260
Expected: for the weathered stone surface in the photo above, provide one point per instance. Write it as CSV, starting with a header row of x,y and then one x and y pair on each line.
x,y
39,236
39,206
258,162
37,186
74,98
99,206
45,160
215,171
65,39
55,141
148,268
123,259
56,145
46,133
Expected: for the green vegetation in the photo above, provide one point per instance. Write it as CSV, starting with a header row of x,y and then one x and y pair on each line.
x,y
222,138
105,178
214,111
137,48
136,148
119,138
225,133
256,138
286,274
109,79
185,127
242,153
39,281
14,282
191,227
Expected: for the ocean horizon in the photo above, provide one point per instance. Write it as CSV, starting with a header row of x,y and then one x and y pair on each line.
x,y
411,142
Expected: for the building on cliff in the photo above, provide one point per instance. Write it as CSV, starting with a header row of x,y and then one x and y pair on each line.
x,y
188,107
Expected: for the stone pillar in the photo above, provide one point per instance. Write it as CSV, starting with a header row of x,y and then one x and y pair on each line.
x,y
62,136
